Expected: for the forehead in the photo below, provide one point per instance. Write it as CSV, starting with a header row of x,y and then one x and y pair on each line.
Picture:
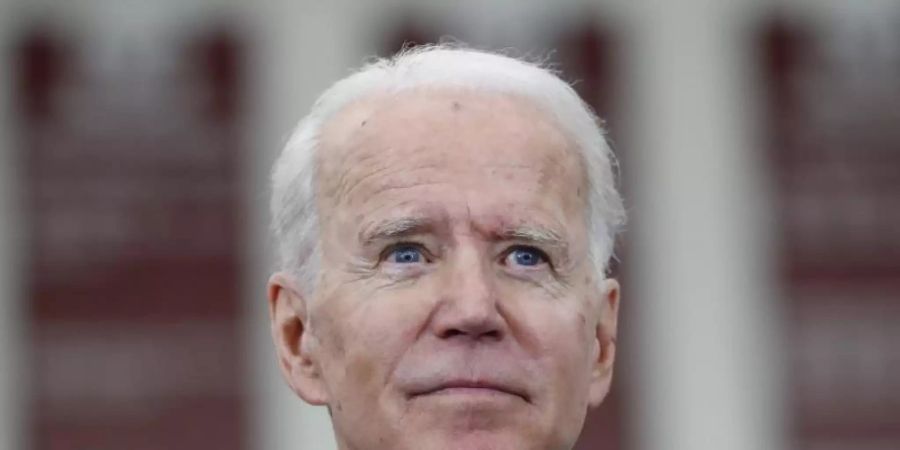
x,y
437,137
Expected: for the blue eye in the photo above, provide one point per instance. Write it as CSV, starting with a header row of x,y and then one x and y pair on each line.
x,y
526,256
405,254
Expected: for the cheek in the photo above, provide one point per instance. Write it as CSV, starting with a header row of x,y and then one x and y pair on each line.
x,y
565,345
369,332
569,386
552,322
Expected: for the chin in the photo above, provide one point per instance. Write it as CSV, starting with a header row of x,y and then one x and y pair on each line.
x,y
477,434
473,422
476,440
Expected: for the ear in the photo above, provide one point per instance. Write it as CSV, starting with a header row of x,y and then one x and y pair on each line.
x,y
294,345
605,335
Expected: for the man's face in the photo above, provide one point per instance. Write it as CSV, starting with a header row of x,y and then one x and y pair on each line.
x,y
457,307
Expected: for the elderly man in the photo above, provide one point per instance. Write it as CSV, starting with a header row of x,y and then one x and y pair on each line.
x,y
445,219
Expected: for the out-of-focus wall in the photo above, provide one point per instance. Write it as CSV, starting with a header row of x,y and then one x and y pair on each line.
x,y
706,340
13,346
126,131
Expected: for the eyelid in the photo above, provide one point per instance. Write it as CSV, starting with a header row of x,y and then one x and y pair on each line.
x,y
543,254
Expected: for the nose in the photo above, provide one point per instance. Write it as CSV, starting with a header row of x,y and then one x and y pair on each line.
x,y
469,307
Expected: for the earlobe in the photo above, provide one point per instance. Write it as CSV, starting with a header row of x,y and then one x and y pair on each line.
x,y
290,331
605,335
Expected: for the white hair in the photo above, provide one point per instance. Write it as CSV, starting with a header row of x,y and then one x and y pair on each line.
x,y
295,221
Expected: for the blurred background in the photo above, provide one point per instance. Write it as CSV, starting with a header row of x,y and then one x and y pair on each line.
x,y
760,158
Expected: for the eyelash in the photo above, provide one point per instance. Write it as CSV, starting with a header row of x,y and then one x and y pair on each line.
x,y
400,245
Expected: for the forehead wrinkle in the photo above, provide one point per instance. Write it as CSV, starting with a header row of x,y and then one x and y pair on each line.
x,y
348,172
393,184
371,176
379,168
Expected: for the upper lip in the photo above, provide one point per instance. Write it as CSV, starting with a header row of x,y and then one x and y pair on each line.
x,y
473,384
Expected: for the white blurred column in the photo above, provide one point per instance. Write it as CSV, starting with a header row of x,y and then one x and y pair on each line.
x,y
13,427
299,49
702,286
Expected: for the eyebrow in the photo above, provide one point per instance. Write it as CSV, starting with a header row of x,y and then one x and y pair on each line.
x,y
536,234
394,228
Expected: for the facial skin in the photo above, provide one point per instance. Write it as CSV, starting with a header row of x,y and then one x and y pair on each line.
x,y
456,307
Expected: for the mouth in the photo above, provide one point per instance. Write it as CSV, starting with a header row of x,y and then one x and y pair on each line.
x,y
472,388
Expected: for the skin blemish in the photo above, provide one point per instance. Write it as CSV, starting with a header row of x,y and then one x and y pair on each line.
x,y
364,371
363,123
456,106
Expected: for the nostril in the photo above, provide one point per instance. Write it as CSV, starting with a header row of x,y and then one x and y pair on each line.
x,y
456,332
453,332
495,334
